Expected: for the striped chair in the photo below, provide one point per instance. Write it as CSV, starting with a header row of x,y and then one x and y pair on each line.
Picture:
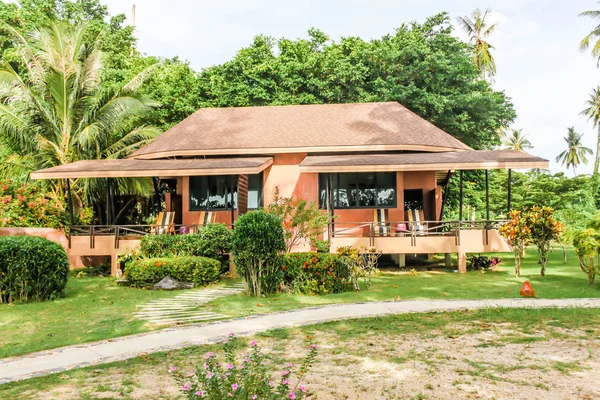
x,y
382,218
416,220
165,223
205,218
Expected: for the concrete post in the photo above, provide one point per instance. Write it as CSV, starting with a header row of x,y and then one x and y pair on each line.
x,y
402,260
448,261
462,262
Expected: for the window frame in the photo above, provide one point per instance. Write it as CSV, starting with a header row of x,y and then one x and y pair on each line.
x,y
336,188
233,188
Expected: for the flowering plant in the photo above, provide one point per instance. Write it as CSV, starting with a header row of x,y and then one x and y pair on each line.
x,y
247,379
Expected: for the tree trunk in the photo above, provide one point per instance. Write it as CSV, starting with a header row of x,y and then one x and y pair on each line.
x,y
517,266
596,165
543,261
564,248
592,278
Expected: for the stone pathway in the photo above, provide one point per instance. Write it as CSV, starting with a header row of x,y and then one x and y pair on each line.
x,y
185,307
65,358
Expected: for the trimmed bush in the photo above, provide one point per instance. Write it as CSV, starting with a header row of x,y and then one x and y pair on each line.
x,y
31,269
315,273
257,241
213,241
148,271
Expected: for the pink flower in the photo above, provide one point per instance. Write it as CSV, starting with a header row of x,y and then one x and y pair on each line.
x,y
209,355
246,359
172,369
302,388
284,373
199,393
289,365
271,384
254,397
230,394
285,382
189,374
292,395
186,387
253,343
313,346
209,375
234,386
230,334
230,366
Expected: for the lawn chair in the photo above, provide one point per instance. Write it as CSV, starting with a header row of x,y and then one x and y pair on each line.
x,y
164,223
416,218
381,218
205,218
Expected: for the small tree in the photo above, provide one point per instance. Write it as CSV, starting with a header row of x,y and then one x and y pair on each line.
x,y
301,220
543,231
587,248
257,240
517,234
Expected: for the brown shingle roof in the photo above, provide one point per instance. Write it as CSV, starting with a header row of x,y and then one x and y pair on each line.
x,y
302,128
151,168
452,160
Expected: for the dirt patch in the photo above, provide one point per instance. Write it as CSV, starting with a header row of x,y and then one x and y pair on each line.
x,y
474,361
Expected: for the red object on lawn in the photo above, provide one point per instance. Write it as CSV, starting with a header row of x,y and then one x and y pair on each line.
x,y
527,290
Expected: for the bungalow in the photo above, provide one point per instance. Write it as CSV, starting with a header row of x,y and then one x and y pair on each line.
x,y
378,168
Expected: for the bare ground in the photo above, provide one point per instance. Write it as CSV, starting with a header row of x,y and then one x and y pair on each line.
x,y
490,362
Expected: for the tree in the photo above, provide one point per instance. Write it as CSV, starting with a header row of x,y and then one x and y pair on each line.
x,y
421,65
592,111
587,248
517,234
593,36
302,221
544,230
58,111
478,30
517,140
575,153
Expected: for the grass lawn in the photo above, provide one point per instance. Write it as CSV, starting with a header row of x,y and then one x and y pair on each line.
x,y
561,281
95,309
92,309
494,353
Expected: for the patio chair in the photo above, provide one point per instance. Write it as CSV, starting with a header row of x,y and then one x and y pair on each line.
x,y
382,222
164,223
416,218
205,218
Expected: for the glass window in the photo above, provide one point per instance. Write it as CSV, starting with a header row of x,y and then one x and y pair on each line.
x,y
220,192
360,190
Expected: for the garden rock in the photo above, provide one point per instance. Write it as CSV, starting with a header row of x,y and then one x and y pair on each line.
x,y
169,283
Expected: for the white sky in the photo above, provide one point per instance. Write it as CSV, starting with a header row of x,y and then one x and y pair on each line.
x,y
539,64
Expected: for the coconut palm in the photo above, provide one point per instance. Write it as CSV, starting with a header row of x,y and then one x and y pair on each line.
x,y
517,140
57,111
476,27
593,37
592,111
575,153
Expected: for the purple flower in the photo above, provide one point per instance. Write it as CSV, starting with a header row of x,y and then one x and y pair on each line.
x,y
234,386
186,387
253,343
292,395
230,366
172,369
284,373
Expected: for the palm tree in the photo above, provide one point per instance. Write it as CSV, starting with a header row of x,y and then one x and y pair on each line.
x,y
575,153
592,111
517,140
57,111
593,36
478,30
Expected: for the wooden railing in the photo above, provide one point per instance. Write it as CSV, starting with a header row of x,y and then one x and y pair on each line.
x,y
412,229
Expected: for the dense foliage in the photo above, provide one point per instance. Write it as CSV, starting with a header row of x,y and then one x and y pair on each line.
x,y
213,241
148,271
248,379
314,273
516,233
31,269
257,241
587,247
30,206
544,231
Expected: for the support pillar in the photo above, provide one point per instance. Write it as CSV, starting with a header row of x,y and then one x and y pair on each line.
x,y
462,262
402,260
487,195
460,197
509,184
448,260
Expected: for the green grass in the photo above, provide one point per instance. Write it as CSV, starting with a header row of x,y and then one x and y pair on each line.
x,y
96,309
561,281
352,337
92,309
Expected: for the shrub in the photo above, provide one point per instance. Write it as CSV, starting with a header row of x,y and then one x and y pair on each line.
x,y
215,241
517,234
587,247
246,379
544,229
256,241
481,263
360,262
148,271
301,220
29,206
315,273
31,268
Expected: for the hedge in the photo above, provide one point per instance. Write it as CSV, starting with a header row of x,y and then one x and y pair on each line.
x,y
315,273
148,271
31,269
